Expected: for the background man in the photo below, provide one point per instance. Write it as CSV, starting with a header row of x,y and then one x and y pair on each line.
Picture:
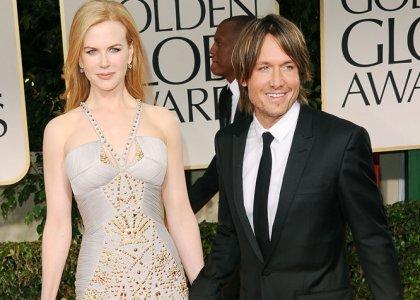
x,y
207,186
291,178
225,38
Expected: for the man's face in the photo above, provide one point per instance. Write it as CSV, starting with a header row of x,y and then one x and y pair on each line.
x,y
221,51
274,83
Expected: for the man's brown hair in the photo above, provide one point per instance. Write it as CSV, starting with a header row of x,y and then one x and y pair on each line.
x,y
248,48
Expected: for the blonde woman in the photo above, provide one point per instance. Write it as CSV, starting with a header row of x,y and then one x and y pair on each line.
x,y
122,159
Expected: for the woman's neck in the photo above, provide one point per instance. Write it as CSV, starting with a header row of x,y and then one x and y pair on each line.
x,y
110,100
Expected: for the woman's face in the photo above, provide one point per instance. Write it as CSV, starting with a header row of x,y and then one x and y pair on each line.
x,y
105,56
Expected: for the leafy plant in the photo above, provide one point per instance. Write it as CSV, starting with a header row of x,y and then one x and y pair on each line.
x,y
31,187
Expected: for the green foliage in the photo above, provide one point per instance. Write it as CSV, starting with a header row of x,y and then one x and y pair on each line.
x,y
31,186
20,271
20,263
42,59
207,232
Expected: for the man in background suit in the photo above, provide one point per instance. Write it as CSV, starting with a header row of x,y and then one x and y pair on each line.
x,y
207,186
291,179
225,38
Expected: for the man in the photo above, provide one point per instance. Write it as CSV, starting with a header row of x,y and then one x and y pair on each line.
x,y
207,186
225,39
291,178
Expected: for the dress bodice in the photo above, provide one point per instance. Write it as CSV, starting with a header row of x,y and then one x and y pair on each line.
x,y
88,176
126,250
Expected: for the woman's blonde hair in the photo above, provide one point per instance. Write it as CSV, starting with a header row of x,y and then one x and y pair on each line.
x,y
248,48
91,13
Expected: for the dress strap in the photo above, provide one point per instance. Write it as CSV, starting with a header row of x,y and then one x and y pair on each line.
x,y
120,159
133,132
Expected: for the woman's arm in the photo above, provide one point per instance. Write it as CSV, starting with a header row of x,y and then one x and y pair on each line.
x,y
57,232
182,224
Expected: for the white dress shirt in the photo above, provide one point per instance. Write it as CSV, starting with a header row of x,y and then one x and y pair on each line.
x,y
283,131
234,88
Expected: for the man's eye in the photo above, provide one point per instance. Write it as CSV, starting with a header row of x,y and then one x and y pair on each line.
x,y
288,67
263,68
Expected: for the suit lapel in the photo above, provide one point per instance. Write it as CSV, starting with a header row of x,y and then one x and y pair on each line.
x,y
239,142
296,162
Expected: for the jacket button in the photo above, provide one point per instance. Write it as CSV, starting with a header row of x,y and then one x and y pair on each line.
x,y
266,272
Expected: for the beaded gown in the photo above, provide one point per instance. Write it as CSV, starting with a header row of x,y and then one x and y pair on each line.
x,y
126,250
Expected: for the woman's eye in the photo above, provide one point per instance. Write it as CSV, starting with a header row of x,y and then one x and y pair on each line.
x,y
91,52
114,50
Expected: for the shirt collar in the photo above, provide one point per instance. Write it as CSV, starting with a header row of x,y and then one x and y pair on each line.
x,y
234,88
282,127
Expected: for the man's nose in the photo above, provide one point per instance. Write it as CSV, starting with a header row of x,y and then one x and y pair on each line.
x,y
212,49
277,78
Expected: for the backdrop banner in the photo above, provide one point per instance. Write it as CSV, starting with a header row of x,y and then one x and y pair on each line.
x,y
371,68
14,149
177,36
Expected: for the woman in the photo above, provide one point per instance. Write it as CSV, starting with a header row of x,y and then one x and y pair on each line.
x,y
122,159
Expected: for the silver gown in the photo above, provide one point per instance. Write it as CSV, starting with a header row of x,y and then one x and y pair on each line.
x,y
126,250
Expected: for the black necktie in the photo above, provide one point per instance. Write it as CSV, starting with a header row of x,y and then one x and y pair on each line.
x,y
261,195
225,105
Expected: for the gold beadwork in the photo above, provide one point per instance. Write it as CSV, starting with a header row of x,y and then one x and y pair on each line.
x,y
104,158
139,154
135,263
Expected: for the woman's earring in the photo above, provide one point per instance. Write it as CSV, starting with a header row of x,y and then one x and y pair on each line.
x,y
81,70
129,66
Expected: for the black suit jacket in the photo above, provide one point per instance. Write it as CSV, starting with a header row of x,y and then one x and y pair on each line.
x,y
328,183
207,185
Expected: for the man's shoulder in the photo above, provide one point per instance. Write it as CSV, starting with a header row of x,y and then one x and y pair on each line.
x,y
329,123
236,128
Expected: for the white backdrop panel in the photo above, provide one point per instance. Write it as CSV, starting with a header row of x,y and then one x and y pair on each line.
x,y
14,149
371,68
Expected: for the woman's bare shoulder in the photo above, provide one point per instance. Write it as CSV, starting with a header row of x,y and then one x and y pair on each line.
x,y
163,120
63,125
160,116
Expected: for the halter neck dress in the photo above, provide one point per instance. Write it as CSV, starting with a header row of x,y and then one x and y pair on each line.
x,y
126,250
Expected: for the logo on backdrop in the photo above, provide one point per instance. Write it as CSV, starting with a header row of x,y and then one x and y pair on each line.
x,y
371,68
178,34
383,52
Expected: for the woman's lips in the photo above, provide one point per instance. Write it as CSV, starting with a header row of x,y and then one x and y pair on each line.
x,y
105,76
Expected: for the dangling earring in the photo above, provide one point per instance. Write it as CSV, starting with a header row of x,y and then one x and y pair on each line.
x,y
81,70
129,66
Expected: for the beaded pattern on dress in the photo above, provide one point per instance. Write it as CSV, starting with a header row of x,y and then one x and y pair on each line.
x,y
134,263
